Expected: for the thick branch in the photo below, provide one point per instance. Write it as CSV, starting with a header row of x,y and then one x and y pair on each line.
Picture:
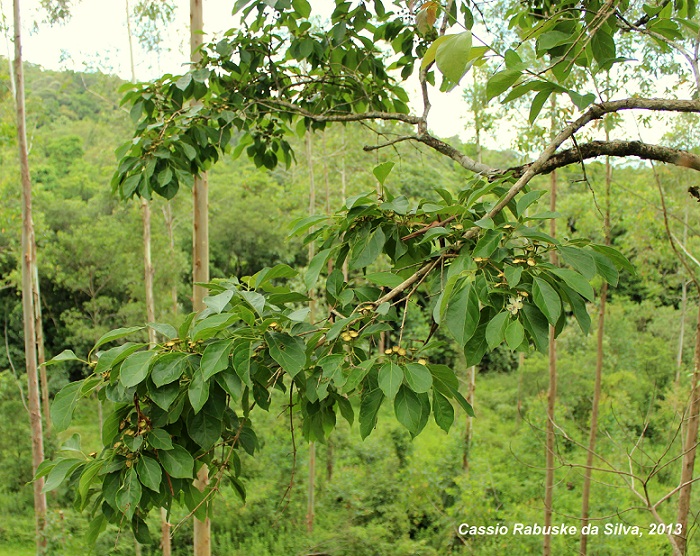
x,y
615,148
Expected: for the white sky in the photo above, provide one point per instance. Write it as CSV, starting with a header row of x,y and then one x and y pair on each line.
x,y
96,38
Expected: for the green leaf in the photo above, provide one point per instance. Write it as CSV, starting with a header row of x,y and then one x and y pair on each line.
x,y
369,407
501,82
149,472
129,495
443,411
315,267
382,171
496,329
241,361
579,259
216,357
578,306
64,404
408,409
547,299
365,251
218,302
134,369
61,471
512,274
184,81
386,279
418,377
117,334
538,103
462,313
476,347
527,199
615,256
164,396
536,325
208,326
452,56
603,46
160,439
87,476
575,281
390,379
605,268
444,379
108,359
487,244
168,368
198,392
515,334
96,526
255,300
65,355
178,462
429,56
204,429
288,352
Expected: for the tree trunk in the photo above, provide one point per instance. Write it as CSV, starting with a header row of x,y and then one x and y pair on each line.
x,y
690,447
311,491
39,327
552,395
148,276
469,430
684,305
170,229
28,273
200,265
593,433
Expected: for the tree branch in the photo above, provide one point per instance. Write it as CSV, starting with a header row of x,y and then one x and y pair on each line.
x,y
615,148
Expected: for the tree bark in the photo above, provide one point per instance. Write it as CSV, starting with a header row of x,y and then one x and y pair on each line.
x,y
552,394
600,354
311,490
690,448
41,353
28,272
200,265
684,306
149,272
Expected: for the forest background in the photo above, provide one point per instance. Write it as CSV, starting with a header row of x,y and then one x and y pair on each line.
x,y
388,493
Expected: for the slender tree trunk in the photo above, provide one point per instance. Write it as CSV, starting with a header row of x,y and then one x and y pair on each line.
x,y
684,306
200,266
149,272
343,193
552,395
311,491
41,354
170,229
469,429
600,354
690,447
28,272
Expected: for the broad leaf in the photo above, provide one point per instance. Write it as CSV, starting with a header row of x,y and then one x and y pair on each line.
x,y
134,369
178,462
390,379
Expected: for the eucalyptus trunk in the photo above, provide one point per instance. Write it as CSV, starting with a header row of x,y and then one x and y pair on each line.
x,y
200,266
690,448
28,263
550,439
311,487
600,355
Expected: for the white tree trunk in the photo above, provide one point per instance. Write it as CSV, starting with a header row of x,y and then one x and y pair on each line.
x,y
28,271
